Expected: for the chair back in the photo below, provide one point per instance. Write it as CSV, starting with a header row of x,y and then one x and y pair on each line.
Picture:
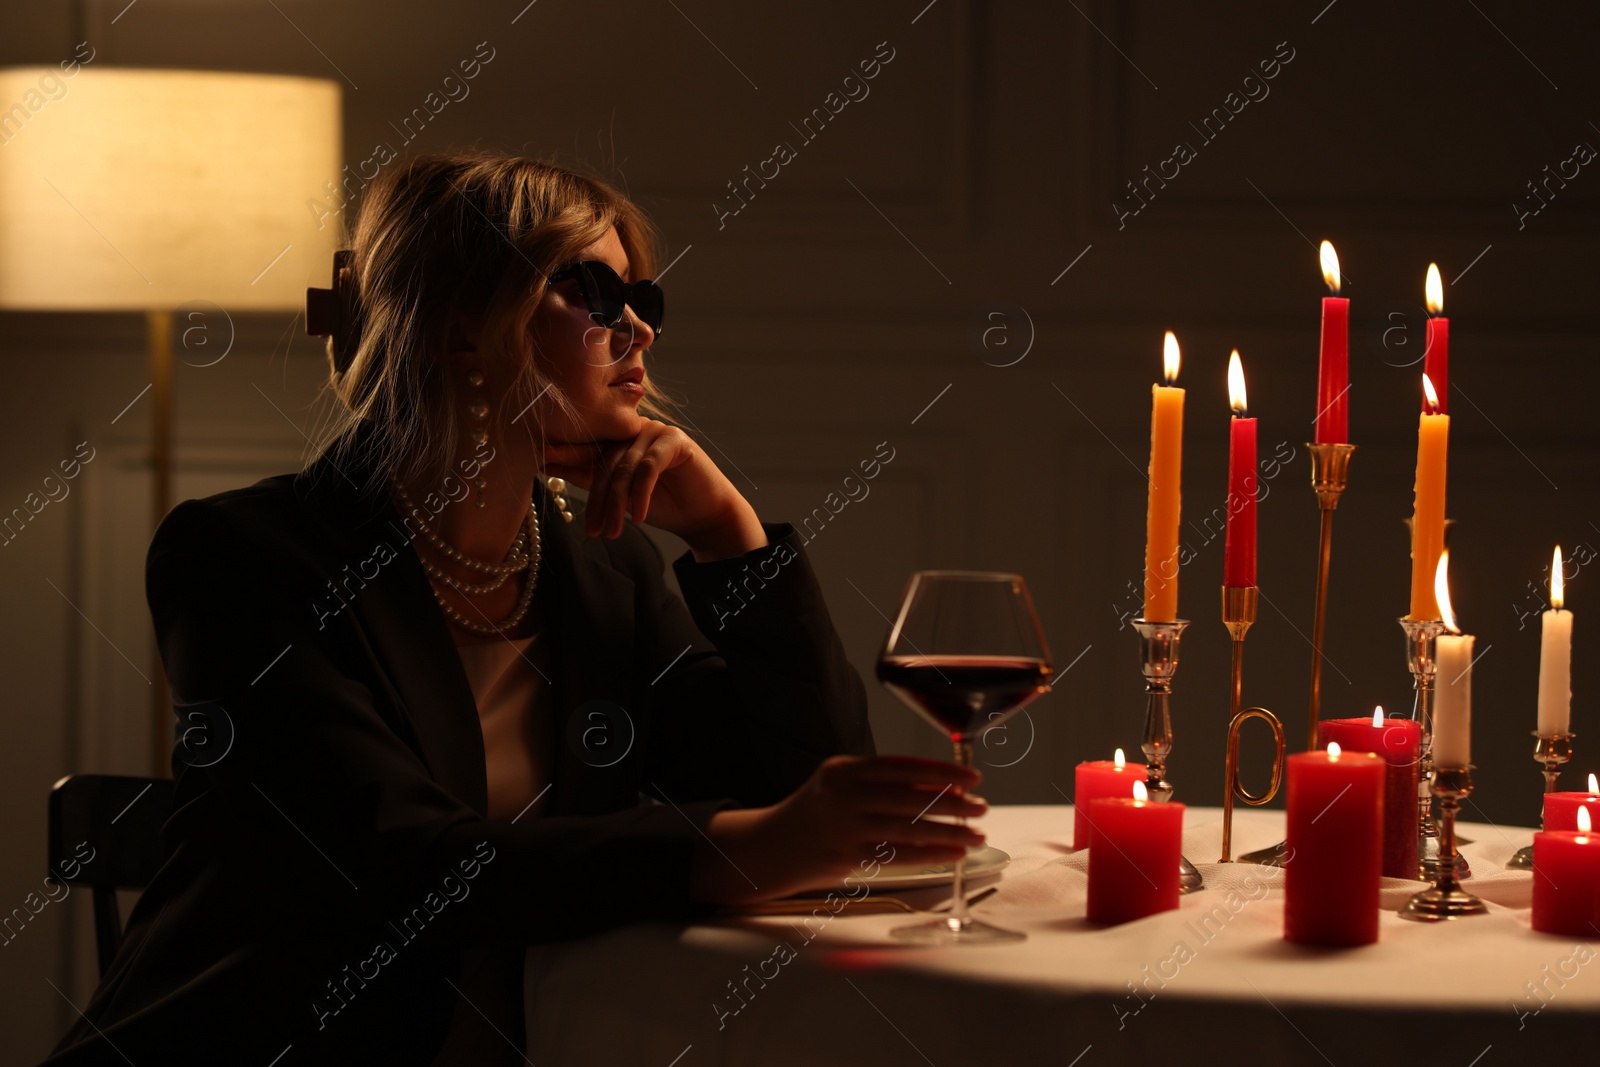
x,y
105,833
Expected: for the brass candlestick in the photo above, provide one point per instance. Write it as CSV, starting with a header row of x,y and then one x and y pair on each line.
x,y
1445,899
1330,473
1159,662
1238,614
1552,750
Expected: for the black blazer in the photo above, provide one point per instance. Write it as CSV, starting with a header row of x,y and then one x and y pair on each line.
x,y
329,857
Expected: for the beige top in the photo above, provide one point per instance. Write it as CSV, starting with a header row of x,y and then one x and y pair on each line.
x,y
509,679
510,683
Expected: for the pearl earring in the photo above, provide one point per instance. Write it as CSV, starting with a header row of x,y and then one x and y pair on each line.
x,y
557,486
478,432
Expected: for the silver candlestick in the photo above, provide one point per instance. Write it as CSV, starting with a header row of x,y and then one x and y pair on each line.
x,y
1445,899
1420,637
1159,662
1552,750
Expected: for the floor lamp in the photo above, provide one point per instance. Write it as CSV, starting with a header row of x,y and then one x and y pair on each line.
x,y
159,192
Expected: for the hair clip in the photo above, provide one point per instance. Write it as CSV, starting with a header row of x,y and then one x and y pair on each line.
x,y
331,313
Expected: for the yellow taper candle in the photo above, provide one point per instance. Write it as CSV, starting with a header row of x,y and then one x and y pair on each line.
x,y
1166,470
1427,517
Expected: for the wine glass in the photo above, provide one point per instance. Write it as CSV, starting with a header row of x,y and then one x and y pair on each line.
x,y
966,653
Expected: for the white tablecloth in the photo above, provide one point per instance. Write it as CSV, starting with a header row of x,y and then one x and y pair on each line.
x,y
1210,981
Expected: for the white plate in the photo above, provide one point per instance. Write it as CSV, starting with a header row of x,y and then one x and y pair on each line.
x,y
980,861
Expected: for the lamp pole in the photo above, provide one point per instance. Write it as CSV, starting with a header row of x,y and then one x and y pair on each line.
x,y
158,342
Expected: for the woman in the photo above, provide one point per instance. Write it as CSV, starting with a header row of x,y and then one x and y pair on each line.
x,y
426,721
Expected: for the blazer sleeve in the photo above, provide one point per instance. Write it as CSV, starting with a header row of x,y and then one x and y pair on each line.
x,y
323,769
756,688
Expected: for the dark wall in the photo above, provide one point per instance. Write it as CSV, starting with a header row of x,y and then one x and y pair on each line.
x,y
983,172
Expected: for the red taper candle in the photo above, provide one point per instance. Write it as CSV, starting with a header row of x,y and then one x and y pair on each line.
x,y
1333,365
1239,544
1436,341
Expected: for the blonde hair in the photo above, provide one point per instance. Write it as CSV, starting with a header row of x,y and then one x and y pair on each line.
x,y
447,236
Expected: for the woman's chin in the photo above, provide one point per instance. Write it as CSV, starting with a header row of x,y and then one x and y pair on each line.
x,y
618,420
621,423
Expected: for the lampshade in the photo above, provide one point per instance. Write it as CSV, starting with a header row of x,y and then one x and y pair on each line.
x,y
141,190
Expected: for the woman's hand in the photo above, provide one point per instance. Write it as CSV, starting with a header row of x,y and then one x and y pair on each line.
x,y
662,475
833,823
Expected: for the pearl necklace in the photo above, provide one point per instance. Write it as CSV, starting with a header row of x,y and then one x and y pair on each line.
x,y
519,558
469,588
518,551
511,565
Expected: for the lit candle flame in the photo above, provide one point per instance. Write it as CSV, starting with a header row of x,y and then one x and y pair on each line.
x,y
1557,581
1139,791
1120,759
1431,394
1585,825
1441,592
1330,266
1170,357
1334,751
1377,716
1236,396
1594,784
1434,288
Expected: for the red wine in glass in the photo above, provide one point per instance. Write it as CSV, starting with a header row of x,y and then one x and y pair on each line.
x,y
966,652
965,695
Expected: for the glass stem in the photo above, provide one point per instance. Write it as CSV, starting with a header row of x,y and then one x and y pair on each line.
x,y
958,907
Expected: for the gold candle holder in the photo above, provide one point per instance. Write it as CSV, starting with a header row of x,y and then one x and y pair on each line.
x,y
1445,899
1330,474
1552,750
1238,615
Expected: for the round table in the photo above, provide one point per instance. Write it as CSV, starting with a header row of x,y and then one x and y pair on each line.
x,y
1207,983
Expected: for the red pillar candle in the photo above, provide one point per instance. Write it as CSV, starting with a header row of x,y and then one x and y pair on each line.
x,y
1100,778
1333,365
1436,341
1334,847
1566,881
1239,543
1399,743
1135,846
1561,809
